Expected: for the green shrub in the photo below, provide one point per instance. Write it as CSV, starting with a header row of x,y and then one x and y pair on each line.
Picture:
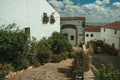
x,y
59,43
33,44
5,70
33,60
110,50
47,49
107,72
22,63
80,64
13,44
43,50
59,57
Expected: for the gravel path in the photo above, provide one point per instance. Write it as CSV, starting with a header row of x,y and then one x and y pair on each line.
x,y
49,71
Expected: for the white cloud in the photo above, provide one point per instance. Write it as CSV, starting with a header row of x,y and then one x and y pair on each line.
x,y
67,2
94,12
116,5
106,1
98,2
56,4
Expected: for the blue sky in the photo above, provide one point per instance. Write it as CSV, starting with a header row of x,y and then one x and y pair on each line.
x,y
95,11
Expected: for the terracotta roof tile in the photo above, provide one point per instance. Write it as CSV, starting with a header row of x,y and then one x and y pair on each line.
x,y
92,29
114,25
72,18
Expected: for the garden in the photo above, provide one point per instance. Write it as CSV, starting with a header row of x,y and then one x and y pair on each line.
x,y
18,52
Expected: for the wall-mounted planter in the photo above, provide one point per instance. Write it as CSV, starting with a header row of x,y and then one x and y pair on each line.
x,y
45,18
52,19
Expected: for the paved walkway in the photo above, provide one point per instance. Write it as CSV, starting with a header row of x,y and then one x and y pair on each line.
x,y
89,74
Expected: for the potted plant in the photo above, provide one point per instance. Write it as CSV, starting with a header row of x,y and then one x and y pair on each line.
x,y
52,19
45,18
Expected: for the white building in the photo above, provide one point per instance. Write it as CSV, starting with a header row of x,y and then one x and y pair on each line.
x,y
30,13
73,28
92,34
110,34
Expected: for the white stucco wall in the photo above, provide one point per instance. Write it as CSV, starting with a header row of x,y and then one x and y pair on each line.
x,y
28,13
110,37
78,24
70,32
96,36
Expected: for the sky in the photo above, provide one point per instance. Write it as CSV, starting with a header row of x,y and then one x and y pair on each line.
x,y
95,11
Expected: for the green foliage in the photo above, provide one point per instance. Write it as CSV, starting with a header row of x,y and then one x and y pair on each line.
x,y
5,70
110,50
33,60
59,43
21,63
107,72
54,49
59,57
43,50
80,64
13,44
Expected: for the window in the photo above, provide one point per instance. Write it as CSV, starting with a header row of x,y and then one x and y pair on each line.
x,y
66,35
87,35
91,35
104,29
72,37
83,24
27,31
113,45
115,32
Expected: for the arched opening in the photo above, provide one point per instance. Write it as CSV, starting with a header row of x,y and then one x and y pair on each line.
x,y
72,27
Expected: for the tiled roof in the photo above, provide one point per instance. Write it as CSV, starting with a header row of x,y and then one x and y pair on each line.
x,y
72,18
114,25
92,29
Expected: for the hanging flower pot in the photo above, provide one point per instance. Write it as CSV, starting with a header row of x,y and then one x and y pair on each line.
x,y
45,18
52,19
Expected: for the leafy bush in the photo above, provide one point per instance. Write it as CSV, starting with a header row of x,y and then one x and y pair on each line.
x,y
59,57
5,70
43,50
33,60
54,49
80,64
59,43
107,72
13,44
110,50
22,63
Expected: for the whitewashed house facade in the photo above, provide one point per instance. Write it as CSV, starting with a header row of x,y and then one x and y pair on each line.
x,y
36,15
110,34
73,28
92,34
